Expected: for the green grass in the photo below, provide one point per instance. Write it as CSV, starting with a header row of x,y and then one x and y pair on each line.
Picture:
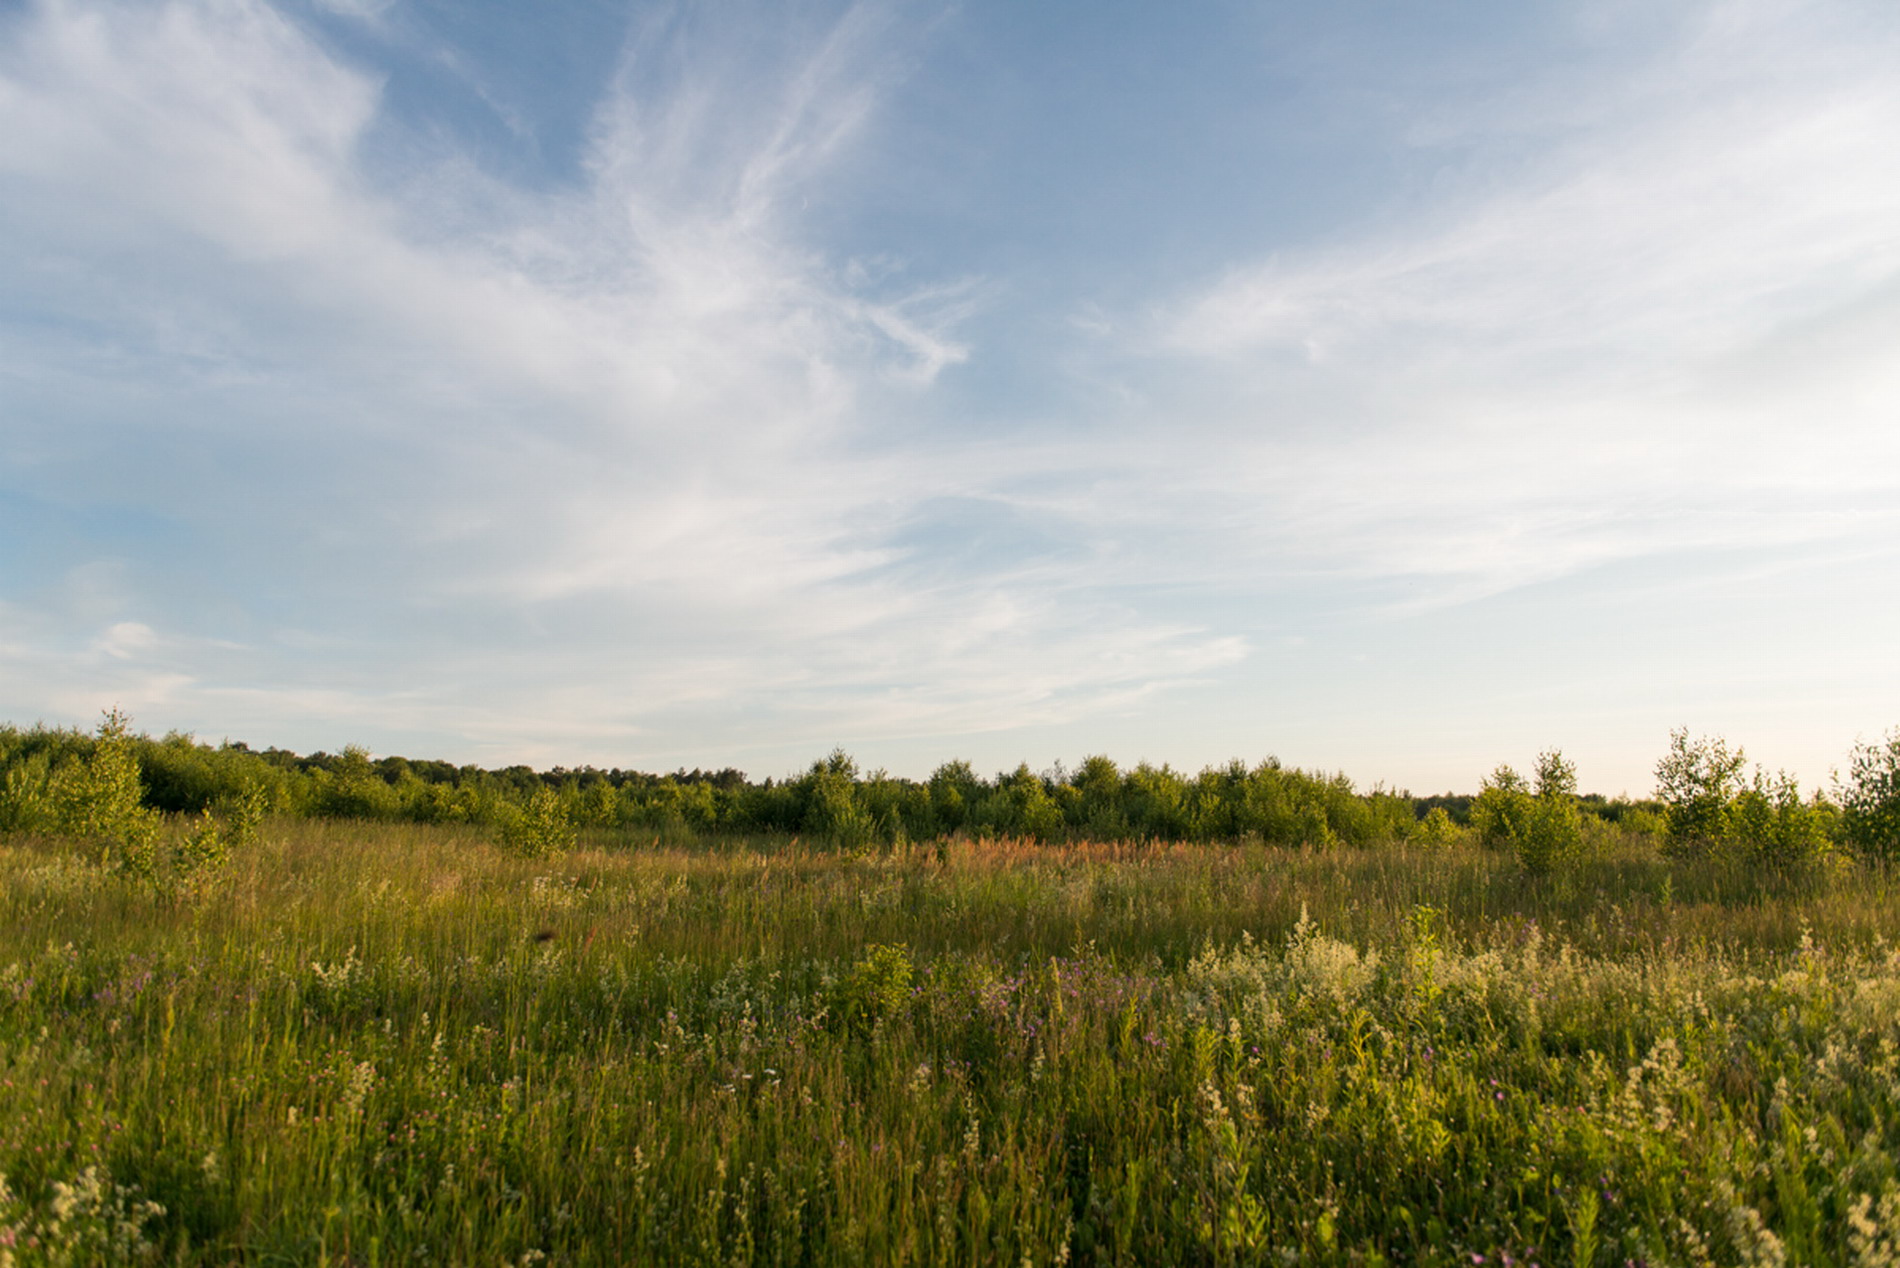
x,y
389,1044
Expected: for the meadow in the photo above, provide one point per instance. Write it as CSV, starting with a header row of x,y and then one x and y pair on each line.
x,y
378,1043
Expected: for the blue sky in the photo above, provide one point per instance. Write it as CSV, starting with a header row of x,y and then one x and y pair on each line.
x,y
1393,391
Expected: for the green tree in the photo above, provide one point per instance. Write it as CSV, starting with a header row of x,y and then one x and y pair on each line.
x,y
1769,824
1697,781
1502,808
1098,799
1553,835
1436,829
353,790
833,808
541,829
1022,806
1543,826
1870,799
954,790
27,801
100,800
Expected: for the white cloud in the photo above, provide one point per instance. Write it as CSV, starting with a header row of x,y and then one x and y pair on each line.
x,y
389,448
1667,331
512,418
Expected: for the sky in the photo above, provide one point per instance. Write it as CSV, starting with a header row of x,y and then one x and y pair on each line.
x,y
1393,389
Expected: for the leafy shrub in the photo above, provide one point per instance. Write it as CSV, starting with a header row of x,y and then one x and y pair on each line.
x,y
352,789
1643,823
1543,827
1870,800
99,800
599,805
1552,834
1096,788
1708,811
680,810
204,852
1769,824
1502,809
1022,806
877,986
26,795
244,813
954,788
184,777
1437,829
539,830
833,808
1697,781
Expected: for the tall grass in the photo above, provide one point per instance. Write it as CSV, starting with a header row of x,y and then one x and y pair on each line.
x,y
374,1044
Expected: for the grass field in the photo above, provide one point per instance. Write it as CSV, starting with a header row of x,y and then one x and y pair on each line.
x,y
381,1044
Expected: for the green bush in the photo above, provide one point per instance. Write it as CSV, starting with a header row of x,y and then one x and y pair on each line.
x,y
1096,800
1709,812
1022,806
1553,833
26,795
1502,810
539,830
201,855
1769,824
1542,827
1697,781
833,808
877,986
1437,829
954,789
99,800
1870,800
352,789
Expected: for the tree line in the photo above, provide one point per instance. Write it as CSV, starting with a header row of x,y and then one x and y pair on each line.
x,y
56,780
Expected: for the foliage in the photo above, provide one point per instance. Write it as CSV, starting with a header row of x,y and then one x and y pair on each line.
x,y
877,987
833,801
1769,824
71,784
1541,826
834,810
1022,806
351,789
1710,811
1697,782
539,830
1552,833
26,797
100,800
204,852
1502,810
1870,799
1437,829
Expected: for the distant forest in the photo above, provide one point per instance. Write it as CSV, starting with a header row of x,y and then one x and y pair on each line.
x,y
832,801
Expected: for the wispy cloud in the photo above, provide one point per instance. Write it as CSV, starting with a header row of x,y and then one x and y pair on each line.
x,y
594,444
1660,331
343,433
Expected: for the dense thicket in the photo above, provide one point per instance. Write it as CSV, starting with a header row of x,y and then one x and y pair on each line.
x,y
832,800
109,787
